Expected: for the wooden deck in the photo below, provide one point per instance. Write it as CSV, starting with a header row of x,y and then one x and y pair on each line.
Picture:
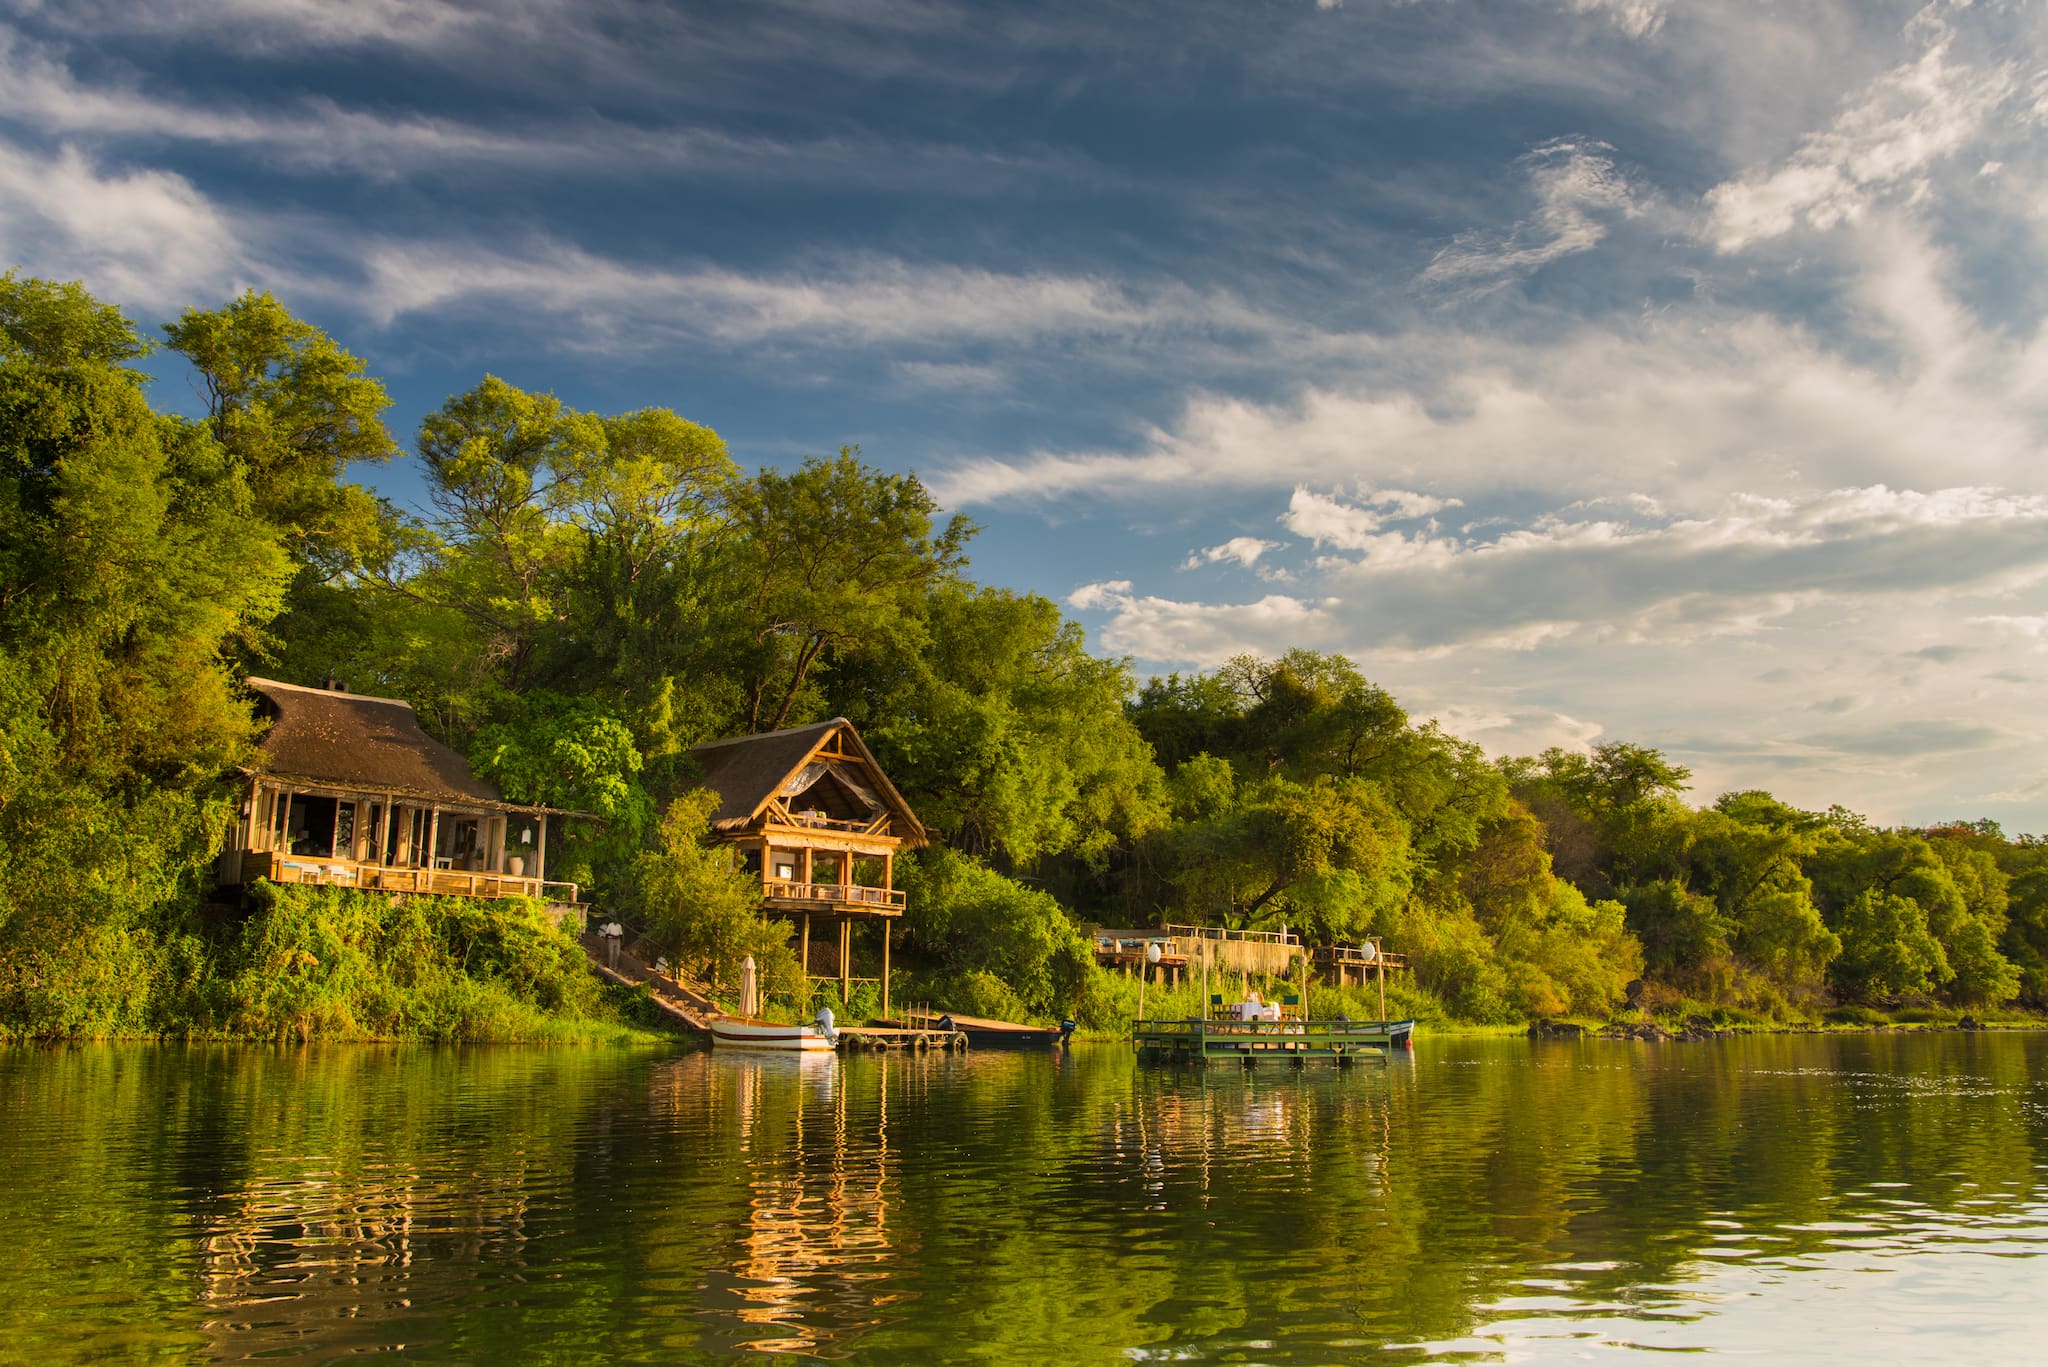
x,y
786,896
1253,1042
346,873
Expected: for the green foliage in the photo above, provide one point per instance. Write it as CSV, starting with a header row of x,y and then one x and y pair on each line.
x,y
701,913
969,920
830,563
573,754
1887,952
337,963
293,409
1009,734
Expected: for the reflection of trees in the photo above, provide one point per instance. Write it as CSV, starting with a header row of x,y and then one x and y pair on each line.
x,y
480,1204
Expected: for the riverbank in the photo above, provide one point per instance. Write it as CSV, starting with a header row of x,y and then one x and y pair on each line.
x,y
333,964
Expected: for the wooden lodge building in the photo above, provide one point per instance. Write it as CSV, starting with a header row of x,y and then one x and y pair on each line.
x,y
813,815
349,791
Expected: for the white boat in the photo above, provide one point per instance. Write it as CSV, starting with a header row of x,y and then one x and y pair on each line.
x,y
751,1032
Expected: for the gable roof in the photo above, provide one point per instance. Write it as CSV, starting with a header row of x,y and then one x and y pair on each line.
x,y
351,740
747,771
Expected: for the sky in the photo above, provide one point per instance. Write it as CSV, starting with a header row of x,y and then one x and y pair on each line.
x,y
1669,371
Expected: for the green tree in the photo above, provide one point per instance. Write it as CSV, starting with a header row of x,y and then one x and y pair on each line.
x,y
294,409
130,561
703,913
833,559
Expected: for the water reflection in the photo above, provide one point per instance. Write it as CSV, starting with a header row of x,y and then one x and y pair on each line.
x,y
1486,1201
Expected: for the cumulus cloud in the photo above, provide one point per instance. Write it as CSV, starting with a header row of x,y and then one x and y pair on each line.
x,y
1243,550
1732,574
1885,139
1325,519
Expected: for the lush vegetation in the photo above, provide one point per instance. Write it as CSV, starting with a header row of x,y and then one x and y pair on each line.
x,y
586,596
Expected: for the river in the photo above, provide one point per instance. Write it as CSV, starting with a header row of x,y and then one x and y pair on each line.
x,y
1860,1198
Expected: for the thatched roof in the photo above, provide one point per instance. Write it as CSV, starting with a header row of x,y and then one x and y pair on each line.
x,y
375,745
747,771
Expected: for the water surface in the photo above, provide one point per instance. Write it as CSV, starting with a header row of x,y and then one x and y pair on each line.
x,y
1849,1199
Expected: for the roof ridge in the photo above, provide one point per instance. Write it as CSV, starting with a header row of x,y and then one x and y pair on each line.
x,y
771,735
256,683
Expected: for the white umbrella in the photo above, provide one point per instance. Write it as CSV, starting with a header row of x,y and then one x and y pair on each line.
x,y
750,994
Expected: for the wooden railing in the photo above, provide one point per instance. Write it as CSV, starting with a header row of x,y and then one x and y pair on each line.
x,y
784,890
346,873
1354,956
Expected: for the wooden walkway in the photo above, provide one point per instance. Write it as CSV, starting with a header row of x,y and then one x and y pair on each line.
x,y
691,1010
1254,1042
853,1037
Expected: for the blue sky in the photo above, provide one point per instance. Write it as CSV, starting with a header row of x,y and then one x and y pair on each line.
x,y
1584,369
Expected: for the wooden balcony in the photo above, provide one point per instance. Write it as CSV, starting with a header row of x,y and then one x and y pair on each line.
x,y
784,895
345,873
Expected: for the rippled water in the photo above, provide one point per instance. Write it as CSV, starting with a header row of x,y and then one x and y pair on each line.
x,y
1867,1198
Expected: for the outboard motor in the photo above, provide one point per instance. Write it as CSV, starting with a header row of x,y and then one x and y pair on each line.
x,y
825,1025
1066,1032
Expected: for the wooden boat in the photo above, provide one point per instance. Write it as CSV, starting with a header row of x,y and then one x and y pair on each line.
x,y
751,1032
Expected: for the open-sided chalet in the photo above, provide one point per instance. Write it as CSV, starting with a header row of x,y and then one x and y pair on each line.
x,y
813,815
348,790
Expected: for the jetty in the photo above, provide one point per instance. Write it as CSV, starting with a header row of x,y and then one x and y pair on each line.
x,y
1251,1042
866,1037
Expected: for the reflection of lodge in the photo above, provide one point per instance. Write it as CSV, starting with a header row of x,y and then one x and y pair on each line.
x,y
351,791
812,814
816,1246
328,1265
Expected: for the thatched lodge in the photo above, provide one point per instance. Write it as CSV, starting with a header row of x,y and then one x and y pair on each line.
x,y
348,790
815,818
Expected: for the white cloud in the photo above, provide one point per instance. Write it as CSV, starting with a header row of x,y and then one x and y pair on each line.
x,y
1324,519
1244,550
1576,185
858,301
1733,574
146,237
1685,407
1887,138
270,25
318,134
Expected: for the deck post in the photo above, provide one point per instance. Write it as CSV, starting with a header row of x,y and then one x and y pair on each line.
x,y
540,855
433,837
845,957
1379,963
803,951
885,968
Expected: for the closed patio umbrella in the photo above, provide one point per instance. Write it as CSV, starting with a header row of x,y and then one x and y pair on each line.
x,y
750,993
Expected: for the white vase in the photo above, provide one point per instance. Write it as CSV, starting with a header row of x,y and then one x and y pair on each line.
x,y
516,865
